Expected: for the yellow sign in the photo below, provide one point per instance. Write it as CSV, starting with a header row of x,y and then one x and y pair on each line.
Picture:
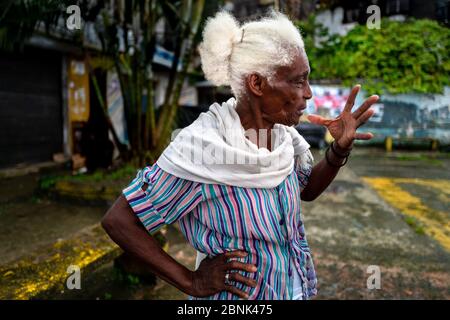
x,y
78,82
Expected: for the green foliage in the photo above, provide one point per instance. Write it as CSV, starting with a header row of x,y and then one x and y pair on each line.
x,y
127,172
126,278
400,57
108,296
132,280
47,182
19,19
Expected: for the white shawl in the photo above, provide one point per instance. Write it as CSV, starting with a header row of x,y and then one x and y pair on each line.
x,y
208,151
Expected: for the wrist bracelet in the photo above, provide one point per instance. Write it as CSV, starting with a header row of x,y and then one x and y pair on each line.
x,y
331,164
338,154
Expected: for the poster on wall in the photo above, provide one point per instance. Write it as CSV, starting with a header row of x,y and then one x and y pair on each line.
x,y
328,101
78,97
114,102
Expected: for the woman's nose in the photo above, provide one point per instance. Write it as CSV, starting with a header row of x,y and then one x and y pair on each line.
x,y
307,94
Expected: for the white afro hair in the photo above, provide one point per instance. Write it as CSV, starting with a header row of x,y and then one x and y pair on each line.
x,y
229,51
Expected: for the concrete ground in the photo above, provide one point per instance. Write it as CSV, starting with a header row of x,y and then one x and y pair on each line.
x,y
384,210
29,221
359,222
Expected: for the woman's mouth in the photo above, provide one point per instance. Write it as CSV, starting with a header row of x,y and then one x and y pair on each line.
x,y
299,112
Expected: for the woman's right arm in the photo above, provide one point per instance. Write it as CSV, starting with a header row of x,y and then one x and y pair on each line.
x,y
125,229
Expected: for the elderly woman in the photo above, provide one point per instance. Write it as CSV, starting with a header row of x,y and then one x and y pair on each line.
x,y
235,178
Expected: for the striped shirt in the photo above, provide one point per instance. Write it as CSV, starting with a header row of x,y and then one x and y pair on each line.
x,y
265,222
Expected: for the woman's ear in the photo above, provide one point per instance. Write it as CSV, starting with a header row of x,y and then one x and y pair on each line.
x,y
256,83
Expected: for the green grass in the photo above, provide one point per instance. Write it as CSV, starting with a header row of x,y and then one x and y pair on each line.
x,y
429,160
125,278
101,175
415,225
126,172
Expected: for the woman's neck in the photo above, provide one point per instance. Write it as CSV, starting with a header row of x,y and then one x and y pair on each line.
x,y
251,118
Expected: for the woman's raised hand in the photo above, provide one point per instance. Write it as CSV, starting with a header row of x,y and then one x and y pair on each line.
x,y
343,128
219,273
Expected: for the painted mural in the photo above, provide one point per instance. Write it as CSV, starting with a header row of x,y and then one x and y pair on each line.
x,y
398,116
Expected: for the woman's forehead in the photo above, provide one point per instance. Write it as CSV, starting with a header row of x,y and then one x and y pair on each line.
x,y
298,67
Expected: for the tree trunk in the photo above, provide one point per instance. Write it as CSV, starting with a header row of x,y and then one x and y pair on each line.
x,y
192,25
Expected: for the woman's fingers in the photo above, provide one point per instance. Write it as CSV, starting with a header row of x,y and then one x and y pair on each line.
x,y
366,105
351,98
236,291
235,276
314,118
364,136
235,254
236,265
211,276
364,117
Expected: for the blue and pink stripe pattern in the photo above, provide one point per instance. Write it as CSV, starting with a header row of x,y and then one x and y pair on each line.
x,y
267,223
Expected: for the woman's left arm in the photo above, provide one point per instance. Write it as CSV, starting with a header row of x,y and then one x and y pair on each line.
x,y
322,174
343,129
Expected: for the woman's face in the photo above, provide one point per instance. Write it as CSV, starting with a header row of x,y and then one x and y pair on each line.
x,y
284,99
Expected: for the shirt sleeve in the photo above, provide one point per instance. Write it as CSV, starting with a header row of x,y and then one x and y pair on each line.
x,y
303,167
166,198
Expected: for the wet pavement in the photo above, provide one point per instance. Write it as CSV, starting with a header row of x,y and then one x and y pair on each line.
x,y
29,221
359,222
384,210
